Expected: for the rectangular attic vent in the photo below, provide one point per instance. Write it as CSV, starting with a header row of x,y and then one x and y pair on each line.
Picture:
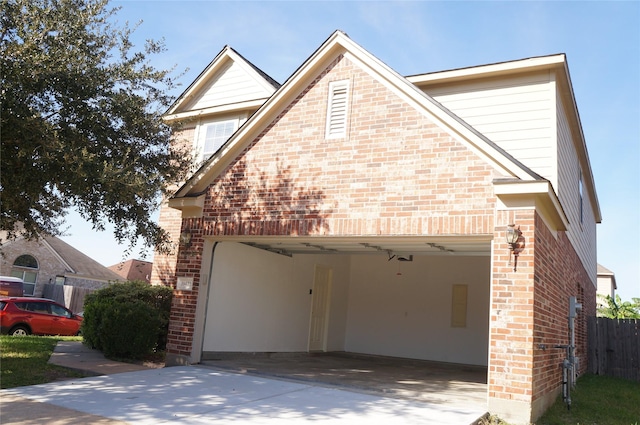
x,y
337,109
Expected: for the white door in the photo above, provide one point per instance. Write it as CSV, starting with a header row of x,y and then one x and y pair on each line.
x,y
320,297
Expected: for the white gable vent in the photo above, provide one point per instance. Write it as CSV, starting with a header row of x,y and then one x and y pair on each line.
x,y
337,109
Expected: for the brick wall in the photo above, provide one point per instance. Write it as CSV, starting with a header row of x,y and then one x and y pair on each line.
x,y
530,310
396,173
511,318
559,275
164,263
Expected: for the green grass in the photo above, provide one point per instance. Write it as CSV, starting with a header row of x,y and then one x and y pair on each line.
x,y
24,361
596,400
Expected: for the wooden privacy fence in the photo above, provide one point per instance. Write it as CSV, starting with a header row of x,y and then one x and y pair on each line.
x,y
71,297
614,347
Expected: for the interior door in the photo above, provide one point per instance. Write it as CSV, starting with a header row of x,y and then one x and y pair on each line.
x,y
321,294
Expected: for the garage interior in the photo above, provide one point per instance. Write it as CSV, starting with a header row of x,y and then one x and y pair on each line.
x,y
406,317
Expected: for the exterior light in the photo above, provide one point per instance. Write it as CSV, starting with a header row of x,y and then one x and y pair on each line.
x,y
515,240
185,238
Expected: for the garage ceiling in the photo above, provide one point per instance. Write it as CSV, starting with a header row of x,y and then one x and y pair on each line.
x,y
399,246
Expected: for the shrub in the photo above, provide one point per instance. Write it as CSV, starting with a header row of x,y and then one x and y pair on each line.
x,y
128,319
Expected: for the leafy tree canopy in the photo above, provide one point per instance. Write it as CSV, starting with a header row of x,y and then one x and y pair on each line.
x,y
617,309
81,121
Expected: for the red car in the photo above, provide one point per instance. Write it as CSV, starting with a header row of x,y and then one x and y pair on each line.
x,y
38,316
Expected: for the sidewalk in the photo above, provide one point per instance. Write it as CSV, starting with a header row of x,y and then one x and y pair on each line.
x,y
77,356
73,355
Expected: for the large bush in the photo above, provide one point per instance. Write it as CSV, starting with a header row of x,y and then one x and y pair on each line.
x,y
128,320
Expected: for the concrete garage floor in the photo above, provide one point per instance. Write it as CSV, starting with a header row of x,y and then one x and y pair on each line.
x,y
436,383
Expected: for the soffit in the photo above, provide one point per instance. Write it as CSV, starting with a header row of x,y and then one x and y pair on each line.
x,y
387,246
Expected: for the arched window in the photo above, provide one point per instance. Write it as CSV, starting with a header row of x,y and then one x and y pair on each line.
x,y
26,268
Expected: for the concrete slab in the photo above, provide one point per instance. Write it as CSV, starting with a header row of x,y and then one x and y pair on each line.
x,y
198,395
428,381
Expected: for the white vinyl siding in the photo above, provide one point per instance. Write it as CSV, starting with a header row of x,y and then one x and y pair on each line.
x,y
337,109
232,84
517,114
577,206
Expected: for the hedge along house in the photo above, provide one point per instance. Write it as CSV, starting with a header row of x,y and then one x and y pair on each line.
x,y
291,232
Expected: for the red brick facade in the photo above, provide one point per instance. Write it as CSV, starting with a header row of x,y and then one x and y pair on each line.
x,y
396,173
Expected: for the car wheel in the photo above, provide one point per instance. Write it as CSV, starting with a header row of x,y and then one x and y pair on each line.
x,y
19,331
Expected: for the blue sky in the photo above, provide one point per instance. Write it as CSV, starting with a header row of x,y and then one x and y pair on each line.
x,y
601,41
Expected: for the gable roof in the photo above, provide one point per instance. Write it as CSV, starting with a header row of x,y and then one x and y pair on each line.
x,y
339,43
190,197
251,88
79,264
558,63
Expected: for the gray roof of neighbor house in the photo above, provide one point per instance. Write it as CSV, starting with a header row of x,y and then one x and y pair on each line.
x,y
78,263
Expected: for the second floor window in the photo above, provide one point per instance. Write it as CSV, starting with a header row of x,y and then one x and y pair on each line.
x,y
213,135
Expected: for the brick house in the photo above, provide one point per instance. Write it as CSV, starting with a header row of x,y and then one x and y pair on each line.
x,y
50,260
354,209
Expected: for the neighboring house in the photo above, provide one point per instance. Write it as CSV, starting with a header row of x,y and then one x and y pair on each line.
x,y
606,284
133,270
49,260
288,236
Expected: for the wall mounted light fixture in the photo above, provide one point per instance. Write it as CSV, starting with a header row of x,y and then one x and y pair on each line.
x,y
185,238
516,243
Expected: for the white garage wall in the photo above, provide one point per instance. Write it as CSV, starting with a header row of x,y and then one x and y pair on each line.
x,y
410,315
259,301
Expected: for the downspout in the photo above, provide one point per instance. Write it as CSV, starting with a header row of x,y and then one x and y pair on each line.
x,y
206,306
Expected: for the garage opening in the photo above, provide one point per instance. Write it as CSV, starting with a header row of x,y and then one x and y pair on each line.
x,y
416,312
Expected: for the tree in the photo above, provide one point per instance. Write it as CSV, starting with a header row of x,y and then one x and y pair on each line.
x,y
81,122
617,309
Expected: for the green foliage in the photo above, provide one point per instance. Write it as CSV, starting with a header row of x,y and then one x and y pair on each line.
x,y
25,361
128,329
617,309
127,320
81,118
601,400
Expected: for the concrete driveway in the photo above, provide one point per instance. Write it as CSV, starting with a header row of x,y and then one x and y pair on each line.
x,y
201,395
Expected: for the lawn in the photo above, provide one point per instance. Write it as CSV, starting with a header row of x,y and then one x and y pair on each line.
x,y
596,400
24,361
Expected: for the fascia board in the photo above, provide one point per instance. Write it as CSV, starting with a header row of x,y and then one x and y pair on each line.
x,y
537,194
233,107
484,71
250,70
569,101
337,44
225,55
192,206
254,125
58,256
213,66
437,112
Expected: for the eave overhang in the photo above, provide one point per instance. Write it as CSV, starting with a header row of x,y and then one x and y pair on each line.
x,y
233,107
339,43
191,206
539,194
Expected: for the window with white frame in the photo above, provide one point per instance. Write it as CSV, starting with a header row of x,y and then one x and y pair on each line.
x,y
212,135
337,109
26,268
